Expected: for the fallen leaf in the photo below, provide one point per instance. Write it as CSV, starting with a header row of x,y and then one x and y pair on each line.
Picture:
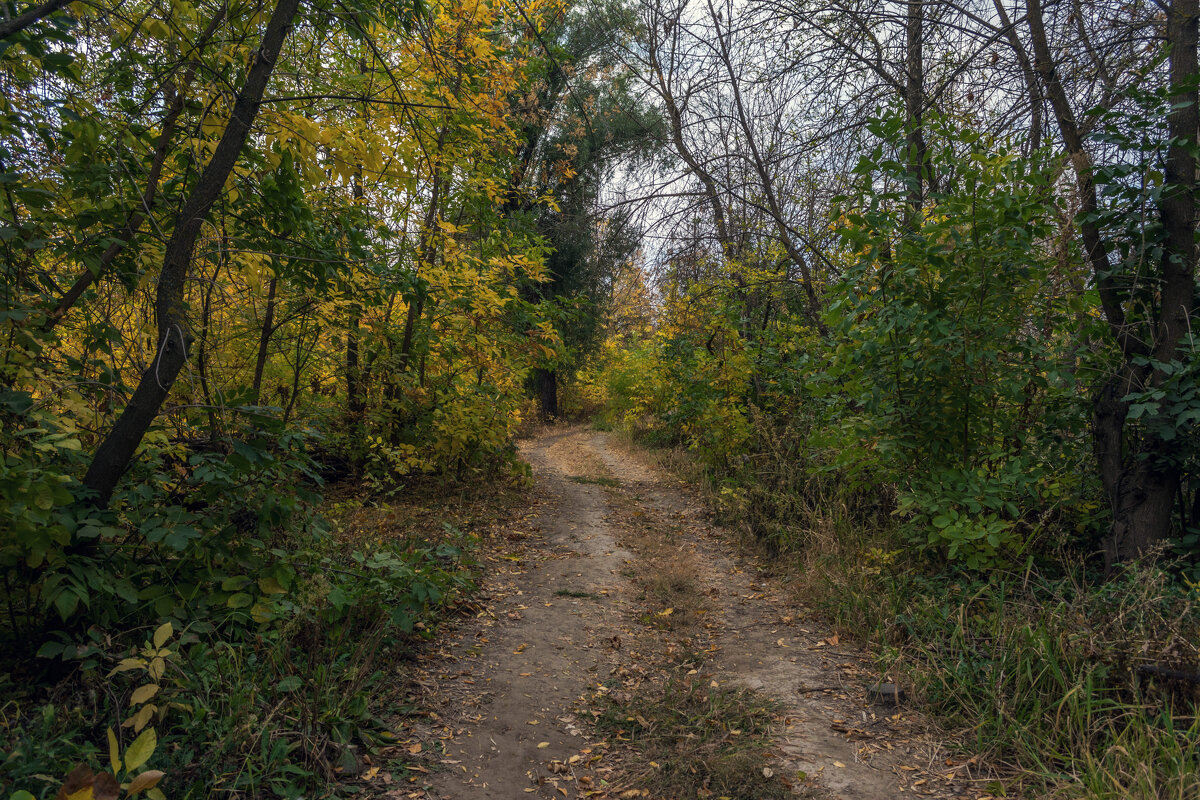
x,y
543,745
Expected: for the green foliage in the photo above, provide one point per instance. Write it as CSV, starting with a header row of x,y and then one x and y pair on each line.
x,y
1037,670
269,682
950,371
956,341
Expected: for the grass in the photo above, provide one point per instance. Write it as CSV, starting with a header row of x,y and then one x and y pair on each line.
x,y
611,483
1041,673
1036,671
670,584
695,738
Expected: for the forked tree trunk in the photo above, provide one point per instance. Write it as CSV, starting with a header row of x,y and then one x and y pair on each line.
x,y
1140,476
115,452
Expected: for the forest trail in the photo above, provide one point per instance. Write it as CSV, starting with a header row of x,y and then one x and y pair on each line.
x,y
571,618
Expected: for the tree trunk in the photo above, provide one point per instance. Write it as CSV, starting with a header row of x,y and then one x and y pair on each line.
x,y
1141,484
202,344
264,338
425,254
33,15
115,452
546,384
914,109
356,404
1027,72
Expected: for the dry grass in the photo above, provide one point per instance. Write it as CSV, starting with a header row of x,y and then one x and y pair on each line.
x,y
1037,672
424,514
694,737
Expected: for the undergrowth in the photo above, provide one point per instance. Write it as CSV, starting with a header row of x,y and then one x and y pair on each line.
x,y
1070,684
1044,673
276,688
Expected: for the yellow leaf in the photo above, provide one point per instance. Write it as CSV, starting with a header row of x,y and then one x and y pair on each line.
x,y
127,664
141,749
114,752
666,612
143,693
139,720
147,780
163,633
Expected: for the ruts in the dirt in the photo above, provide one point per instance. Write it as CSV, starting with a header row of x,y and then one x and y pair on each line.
x,y
507,692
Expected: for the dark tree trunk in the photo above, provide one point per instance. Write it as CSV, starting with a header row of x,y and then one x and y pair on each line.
x,y
1140,475
33,15
202,344
356,404
264,338
546,384
115,452
914,108
1027,72
425,255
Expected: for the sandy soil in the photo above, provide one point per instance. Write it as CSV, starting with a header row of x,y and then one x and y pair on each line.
x,y
562,613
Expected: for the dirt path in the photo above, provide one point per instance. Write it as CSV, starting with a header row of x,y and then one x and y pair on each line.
x,y
572,616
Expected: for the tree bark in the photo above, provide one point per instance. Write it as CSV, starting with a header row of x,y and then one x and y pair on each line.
x,y
546,384
425,255
115,452
914,109
35,14
1027,72
264,339
1141,485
